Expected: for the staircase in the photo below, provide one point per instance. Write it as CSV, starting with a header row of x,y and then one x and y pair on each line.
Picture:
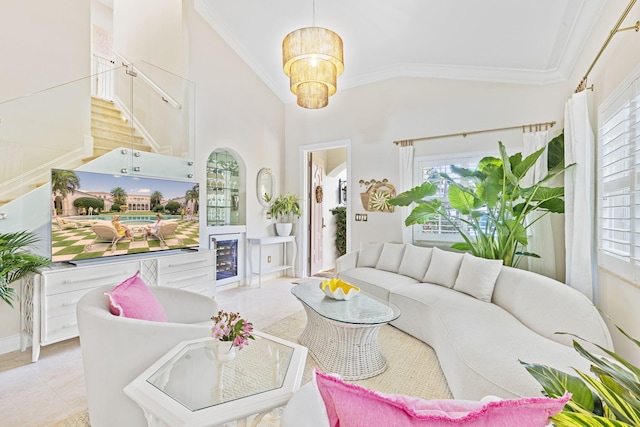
x,y
111,129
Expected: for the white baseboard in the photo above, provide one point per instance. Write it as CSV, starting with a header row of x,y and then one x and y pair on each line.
x,y
9,344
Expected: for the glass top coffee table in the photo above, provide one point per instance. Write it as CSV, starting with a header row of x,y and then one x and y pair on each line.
x,y
342,336
189,386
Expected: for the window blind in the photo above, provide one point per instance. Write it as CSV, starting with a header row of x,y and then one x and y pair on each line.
x,y
619,182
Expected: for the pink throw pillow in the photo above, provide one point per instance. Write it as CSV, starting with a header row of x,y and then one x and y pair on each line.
x,y
133,298
350,405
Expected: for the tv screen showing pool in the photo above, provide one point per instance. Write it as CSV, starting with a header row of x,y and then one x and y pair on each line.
x,y
97,215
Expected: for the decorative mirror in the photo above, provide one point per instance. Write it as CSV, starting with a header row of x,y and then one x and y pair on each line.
x,y
265,184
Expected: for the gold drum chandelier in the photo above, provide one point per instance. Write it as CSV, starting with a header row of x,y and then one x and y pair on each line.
x,y
312,58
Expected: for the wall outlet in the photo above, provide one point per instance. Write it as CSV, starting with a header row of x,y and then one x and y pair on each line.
x,y
269,259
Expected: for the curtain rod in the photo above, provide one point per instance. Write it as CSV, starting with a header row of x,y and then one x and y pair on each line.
x,y
537,126
616,29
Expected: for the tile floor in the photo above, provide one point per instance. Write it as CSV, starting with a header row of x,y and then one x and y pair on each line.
x,y
44,393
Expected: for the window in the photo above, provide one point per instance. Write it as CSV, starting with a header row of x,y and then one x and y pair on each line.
x,y
619,181
438,229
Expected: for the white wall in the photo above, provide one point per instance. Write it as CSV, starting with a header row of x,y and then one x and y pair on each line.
x,y
617,297
151,31
39,52
235,110
374,116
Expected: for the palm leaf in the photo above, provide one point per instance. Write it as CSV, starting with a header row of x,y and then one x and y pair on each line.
x,y
573,419
555,383
622,410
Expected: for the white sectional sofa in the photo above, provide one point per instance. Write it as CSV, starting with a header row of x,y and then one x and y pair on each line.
x,y
479,316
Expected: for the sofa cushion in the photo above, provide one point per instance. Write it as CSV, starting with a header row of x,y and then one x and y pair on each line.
x,y
390,257
375,282
133,298
415,261
477,276
369,254
353,405
443,268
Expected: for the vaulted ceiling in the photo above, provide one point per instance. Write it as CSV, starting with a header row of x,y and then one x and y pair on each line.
x,y
517,41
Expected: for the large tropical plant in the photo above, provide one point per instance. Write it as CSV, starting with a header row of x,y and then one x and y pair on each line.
x,y
489,206
609,397
16,262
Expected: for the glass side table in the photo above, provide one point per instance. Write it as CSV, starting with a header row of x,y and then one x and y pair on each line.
x,y
188,386
342,336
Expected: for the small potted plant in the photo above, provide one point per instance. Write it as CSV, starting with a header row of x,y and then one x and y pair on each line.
x,y
282,209
231,331
16,262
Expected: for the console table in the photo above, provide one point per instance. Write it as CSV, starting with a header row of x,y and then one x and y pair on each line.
x,y
49,299
271,240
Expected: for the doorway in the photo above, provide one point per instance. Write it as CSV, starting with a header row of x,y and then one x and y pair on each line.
x,y
326,175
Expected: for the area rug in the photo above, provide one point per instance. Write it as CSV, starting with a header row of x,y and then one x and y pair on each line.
x,y
413,367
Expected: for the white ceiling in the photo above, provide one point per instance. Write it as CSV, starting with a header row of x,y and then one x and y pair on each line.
x,y
517,41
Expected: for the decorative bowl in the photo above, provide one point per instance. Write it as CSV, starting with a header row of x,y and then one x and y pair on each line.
x,y
338,289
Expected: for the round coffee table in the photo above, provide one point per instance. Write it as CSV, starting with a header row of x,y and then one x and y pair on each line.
x,y
342,336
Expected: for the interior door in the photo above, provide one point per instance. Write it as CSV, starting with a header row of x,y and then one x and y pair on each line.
x,y
315,208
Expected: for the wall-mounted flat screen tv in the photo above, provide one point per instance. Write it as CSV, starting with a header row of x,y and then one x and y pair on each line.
x,y
96,215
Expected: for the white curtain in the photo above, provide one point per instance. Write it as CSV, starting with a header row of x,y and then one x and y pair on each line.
x,y
579,195
406,183
540,234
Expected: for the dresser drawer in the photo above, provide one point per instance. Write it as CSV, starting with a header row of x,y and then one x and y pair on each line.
x,y
181,279
73,279
62,303
59,328
184,263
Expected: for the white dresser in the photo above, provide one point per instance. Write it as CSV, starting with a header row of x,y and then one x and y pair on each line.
x,y
48,305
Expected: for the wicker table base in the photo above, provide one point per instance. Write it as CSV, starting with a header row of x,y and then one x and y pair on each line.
x,y
350,350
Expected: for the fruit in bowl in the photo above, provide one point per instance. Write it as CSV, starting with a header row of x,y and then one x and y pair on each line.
x,y
338,289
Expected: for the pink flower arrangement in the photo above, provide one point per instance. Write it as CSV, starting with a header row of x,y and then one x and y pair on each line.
x,y
231,327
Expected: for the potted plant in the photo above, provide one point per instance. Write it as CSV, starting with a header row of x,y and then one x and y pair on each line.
x,y
609,396
16,262
283,208
490,206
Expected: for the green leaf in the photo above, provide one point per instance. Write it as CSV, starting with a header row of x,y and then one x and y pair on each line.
x,y
506,165
614,402
462,246
553,205
572,419
555,152
423,212
415,194
529,254
521,169
555,383
488,165
462,200
517,231
466,173
489,193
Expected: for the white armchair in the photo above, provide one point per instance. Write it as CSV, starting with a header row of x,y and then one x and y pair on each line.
x,y
305,409
116,349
